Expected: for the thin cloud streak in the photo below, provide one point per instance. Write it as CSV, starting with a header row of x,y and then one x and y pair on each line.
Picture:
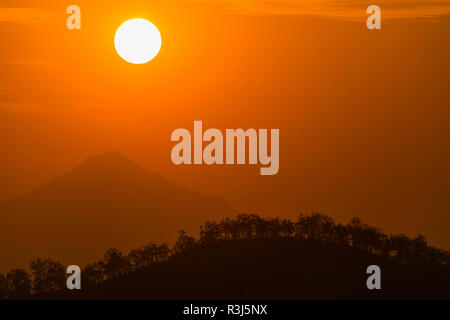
x,y
25,15
339,9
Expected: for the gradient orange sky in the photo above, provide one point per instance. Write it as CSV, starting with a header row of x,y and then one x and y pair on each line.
x,y
363,115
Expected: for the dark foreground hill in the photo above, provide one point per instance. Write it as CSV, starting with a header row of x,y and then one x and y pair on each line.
x,y
249,257
273,269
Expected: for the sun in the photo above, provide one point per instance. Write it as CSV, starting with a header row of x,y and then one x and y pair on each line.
x,y
137,41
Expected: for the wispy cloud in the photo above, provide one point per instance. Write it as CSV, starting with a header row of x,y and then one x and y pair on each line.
x,y
25,15
340,9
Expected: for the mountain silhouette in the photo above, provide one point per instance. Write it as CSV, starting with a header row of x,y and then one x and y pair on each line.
x,y
108,200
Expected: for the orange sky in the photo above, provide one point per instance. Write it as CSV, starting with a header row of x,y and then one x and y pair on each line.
x,y
363,115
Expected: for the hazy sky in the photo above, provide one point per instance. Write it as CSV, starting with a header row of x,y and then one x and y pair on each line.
x,y
363,115
339,9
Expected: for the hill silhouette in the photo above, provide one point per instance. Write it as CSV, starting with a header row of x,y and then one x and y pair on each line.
x,y
273,269
107,200
249,257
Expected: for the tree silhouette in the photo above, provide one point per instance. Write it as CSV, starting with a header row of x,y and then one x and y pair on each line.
x,y
365,238
114,263
315,227
400,245
162,253
147,255
94,273
19,283
48,276
211,232
3,287
184,243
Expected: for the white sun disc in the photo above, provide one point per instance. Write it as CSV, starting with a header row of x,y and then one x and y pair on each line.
x,y
137,41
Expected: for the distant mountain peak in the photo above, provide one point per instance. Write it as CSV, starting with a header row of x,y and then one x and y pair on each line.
x,y
109,156
106,201
109,161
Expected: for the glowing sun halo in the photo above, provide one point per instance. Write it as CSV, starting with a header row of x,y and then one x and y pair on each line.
x,y
137,41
